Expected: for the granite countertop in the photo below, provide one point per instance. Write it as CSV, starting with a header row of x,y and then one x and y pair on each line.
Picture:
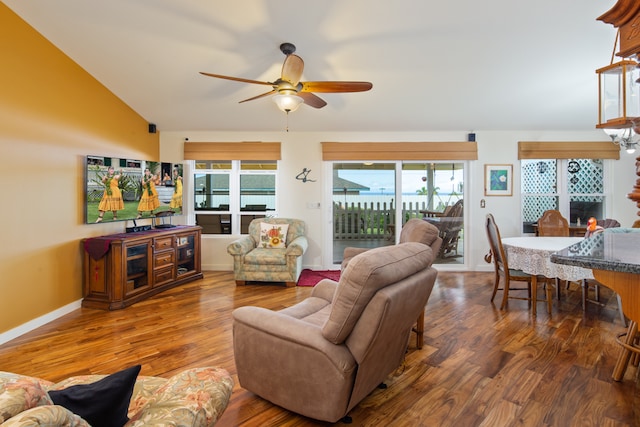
x,y
613,249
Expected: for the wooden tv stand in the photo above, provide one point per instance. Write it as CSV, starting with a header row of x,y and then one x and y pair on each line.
x,y
122,269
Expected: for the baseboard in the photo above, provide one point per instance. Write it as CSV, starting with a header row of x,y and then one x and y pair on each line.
x,y
227,267
217,267
40,321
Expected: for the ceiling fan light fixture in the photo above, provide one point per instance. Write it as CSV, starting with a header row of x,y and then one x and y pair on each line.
x,y
627,138
287,102
613,133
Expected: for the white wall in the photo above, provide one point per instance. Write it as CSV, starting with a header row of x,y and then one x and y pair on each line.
x,y
303,150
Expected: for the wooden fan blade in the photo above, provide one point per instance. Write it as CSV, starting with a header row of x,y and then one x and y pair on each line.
x,y
292,69
335,87
312,100
236,79
271,92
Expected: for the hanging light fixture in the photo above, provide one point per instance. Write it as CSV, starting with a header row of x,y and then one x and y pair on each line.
x,y
619,101
287,100
626,138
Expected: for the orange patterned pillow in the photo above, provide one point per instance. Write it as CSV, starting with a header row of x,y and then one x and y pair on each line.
x,y
273,236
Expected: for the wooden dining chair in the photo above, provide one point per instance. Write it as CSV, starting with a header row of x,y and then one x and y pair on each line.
x,y
552,223
506,274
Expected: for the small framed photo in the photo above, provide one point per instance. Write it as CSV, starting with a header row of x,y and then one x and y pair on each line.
x,y
498,180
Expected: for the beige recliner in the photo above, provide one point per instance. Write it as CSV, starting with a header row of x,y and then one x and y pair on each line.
x,y
322,356
414,230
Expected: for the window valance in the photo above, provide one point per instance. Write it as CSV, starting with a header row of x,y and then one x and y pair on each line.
x,y
232,151
399,151
567,150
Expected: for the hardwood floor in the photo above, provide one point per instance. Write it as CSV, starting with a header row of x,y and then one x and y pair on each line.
x,y
479,367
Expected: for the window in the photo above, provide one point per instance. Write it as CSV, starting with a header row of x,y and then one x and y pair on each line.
x,y
575,187
551,178
228,195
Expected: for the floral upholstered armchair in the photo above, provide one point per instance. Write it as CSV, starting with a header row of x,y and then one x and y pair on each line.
x,y
271,252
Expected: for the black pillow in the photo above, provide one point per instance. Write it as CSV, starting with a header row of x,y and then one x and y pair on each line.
x,y
103,403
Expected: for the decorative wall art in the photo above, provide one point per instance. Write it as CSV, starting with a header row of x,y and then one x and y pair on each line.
x,y
303,176
498,180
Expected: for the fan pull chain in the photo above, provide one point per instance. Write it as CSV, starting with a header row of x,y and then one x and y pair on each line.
x,y
287,128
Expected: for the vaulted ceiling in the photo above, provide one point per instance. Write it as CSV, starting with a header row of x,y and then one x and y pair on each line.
x,y
435,65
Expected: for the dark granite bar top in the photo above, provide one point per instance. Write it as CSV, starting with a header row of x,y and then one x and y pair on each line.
x,y
613,249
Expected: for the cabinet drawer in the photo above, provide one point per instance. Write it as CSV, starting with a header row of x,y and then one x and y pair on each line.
x,y
163,276
163,243
163,259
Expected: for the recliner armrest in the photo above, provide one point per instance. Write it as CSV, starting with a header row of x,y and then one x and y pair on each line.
x,y
297,247
325,289
242,246
350,252
276,327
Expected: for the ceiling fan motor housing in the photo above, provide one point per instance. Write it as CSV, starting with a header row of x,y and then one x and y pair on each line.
x,y
287,48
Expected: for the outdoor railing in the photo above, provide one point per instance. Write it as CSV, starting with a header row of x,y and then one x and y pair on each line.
x,y
375,220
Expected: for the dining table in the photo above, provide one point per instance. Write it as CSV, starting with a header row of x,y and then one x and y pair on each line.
x,y
532,255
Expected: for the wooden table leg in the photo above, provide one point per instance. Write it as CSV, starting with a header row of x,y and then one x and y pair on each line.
x,y
549,289
419,330
534,294
625,353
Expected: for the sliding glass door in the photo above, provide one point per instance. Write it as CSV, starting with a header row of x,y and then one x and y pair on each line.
x,y
364,198
371,202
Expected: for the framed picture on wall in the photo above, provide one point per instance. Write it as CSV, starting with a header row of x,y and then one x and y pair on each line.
x,y
498,180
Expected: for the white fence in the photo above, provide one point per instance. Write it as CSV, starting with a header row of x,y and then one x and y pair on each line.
x,y
370,220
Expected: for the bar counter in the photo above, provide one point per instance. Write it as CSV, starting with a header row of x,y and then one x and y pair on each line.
x,y
614,257
617,250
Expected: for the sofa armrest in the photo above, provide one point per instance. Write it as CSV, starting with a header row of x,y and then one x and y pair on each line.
x,y
195,397
47,415
297,247
19,393
241,246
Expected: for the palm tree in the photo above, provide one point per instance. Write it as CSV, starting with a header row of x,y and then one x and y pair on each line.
x,y
425,192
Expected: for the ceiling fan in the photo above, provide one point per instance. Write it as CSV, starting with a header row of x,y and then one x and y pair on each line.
x,y
289,92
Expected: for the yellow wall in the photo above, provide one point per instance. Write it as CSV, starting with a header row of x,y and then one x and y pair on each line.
x,y
52,114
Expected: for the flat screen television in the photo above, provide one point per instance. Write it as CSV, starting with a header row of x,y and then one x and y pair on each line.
x,y
122,189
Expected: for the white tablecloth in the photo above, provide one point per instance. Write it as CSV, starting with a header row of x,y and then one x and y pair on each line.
x,y
533,256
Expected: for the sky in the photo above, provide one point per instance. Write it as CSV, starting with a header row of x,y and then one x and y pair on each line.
x,y
383,181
